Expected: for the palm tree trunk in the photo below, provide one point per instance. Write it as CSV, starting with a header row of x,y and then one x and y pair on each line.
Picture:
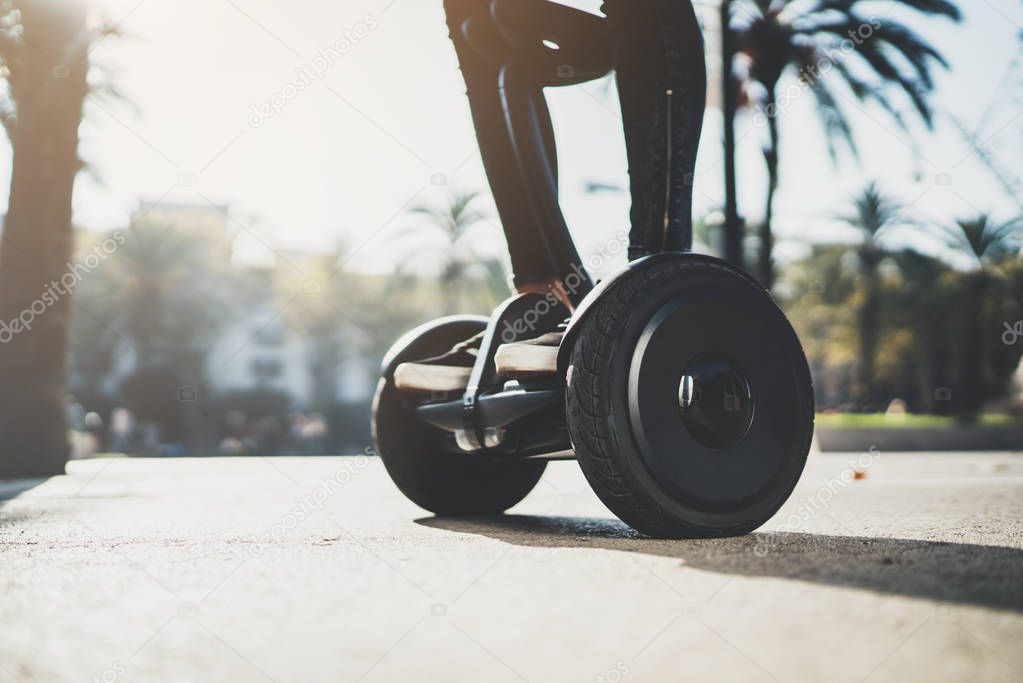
x,y
729,96
971,393
47,84
771,159
867,329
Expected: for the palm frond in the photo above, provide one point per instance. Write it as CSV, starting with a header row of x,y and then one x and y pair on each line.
x,y
879,59
836,123
867,92
945,8
875,214
913,48
796,35
983,239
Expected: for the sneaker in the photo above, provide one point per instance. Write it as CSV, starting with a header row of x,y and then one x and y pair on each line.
x,y
530,357
448,372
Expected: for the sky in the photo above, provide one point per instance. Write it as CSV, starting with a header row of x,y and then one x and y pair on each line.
x,y
383,125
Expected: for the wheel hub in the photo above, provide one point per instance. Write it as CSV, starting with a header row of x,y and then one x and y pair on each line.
x,y
711,396
715,401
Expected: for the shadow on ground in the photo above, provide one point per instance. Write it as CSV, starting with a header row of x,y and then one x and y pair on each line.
x,y
9,488
981,575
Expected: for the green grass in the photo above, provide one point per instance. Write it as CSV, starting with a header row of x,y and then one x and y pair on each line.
x,y
882,421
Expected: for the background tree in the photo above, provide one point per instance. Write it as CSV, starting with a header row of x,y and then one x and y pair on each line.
x,y
154,306
448,227
44,58
937,328
874,216
817,292
987,243
777,37
318,305
919,301
984,240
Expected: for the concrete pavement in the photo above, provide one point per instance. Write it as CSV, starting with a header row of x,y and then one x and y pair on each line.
x,y
317,569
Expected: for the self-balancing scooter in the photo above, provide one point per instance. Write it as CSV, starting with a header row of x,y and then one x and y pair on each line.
x,y
678,384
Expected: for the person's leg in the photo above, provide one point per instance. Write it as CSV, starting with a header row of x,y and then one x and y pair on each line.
x,y
532,270
662,84
531,267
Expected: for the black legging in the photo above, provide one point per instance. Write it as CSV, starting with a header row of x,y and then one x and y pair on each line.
x,y
662,82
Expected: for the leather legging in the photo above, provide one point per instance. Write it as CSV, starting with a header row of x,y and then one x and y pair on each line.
x,y
658,55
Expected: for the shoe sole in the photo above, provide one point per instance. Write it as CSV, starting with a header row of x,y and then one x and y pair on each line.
x,y
515,360
526,359
423,377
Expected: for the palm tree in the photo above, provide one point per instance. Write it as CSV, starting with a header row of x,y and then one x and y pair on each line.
x,y
811,38
733,225
874,216
44,60
987,243
450,223
161,270
170,296
921,300
984,240
317,304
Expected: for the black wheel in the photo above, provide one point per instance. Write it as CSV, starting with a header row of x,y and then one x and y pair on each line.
x,y
690,404
442,482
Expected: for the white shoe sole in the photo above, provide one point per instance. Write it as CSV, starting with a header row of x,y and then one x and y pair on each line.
x,y
511,359
424,377
526,359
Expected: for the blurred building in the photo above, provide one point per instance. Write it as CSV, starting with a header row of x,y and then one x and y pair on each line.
x,y
259,349
256,344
